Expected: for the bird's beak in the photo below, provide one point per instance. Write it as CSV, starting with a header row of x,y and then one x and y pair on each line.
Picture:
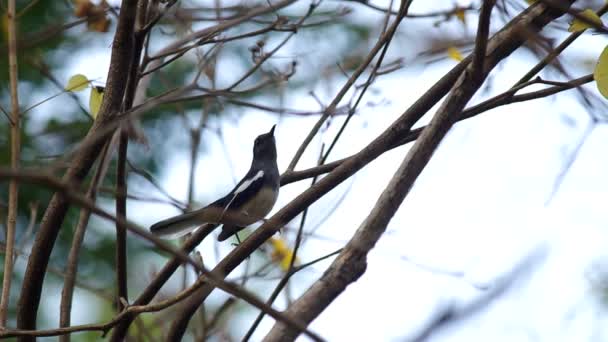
x,y
272,130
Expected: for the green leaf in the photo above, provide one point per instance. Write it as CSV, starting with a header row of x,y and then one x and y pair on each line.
x,y
77,82
600,74
579,25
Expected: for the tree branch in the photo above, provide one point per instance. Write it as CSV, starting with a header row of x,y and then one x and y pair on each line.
x,y
383,40
481,40
503,99
556,52
71,270
13,191
337,176
121,211
500,46
161,278
122,50
208,276
351,263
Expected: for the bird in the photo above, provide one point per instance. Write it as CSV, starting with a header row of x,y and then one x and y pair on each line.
x,y
250,200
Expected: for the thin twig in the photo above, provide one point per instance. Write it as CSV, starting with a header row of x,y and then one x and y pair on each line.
x,y
80,165
284,280
121,211
501,45
52,270
382,40
502,99
264,57
481,40
13,192
103,327
30,227
68,191
570,160
161,277
223,26
556,52
72,263
369,80
451,313
351,264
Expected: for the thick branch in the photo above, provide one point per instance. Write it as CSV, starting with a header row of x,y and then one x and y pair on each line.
x,y
337,176
161,278
502,99
351,263
207,276
122,50
382,41
500,46
481,40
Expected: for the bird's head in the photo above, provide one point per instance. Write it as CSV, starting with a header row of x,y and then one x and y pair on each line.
x,y
264,147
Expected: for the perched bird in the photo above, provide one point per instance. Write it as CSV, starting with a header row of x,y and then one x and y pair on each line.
x,y
250,200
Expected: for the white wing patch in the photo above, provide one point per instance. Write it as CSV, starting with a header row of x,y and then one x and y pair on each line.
x,y
240,189
248,182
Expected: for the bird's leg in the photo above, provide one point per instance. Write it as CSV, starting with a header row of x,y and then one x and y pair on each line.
x,y
238,239
239,242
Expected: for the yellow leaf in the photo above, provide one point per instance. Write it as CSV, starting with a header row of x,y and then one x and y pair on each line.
x,y
281,253
454,54
97,19
600,74
460,15
100,24
95,100
530,2
77,82
4,25
82,8
286,261
579,25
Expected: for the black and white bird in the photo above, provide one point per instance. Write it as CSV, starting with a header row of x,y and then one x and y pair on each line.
x,y
250,200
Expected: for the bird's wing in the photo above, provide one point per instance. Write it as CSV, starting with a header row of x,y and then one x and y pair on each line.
x,y
218,211
245,190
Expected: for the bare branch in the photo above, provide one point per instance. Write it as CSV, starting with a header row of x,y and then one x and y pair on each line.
x,y
383,40
451,314
68,191
505,98
338,175
72,263
481,40
13,192
556,52
121,211
122,51
351,263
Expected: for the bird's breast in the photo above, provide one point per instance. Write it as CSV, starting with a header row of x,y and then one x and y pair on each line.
x,y
261,205
254,210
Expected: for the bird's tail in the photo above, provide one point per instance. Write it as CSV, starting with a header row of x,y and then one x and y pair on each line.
x,y
177,226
